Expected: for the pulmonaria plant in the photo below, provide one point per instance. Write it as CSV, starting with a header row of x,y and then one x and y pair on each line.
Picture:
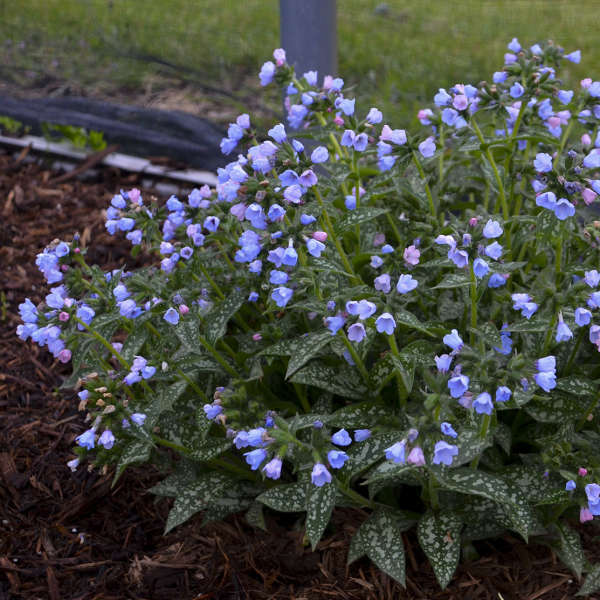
x,y
361,316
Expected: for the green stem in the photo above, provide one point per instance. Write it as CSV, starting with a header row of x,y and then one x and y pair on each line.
x,y
575,349
217,356
485,425
355,357
433,493
104,342
210,280
473,294
419,166
193,385
441,155
301,392
587,412
402,395
563,141
548,339
334,238
397,235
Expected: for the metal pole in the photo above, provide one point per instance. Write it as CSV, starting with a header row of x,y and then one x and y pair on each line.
x,y
309,35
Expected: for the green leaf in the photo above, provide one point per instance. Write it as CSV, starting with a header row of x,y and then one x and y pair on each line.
x,y
357,216
255,516
439,536
357,547
183,476
382,542
364,414
479,483
578,386
164,400
452,280
530,481
503,435
215,324
389,471
489,333
556,408
529,326
470,444
319,507
547,226
406,318
285,498
343,381
134,342
136,451
328,266
210,448
569,549
419,352
187,331
591,583
362,455
196,497
308,348
106,324
389,366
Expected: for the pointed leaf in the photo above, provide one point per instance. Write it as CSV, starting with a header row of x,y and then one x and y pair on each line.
x,y
215,324
308,348
591,583
406,318
569,549
479,483
578,386
382,540
390,366
357,547
137,451
285,498
342,381
134,342
361,415
363,454
319,507
255,516
357,216
439,536
452,280
211,448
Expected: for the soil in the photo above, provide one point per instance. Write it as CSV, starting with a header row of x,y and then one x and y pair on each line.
x,y
69,536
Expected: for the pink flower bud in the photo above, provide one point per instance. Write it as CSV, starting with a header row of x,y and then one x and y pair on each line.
x,y
64,268
554,122
379,239
411,255
63,316
320,236
585,83
183,309
582,472
473,221
586,140
588,195
76,250
585,514
64,355
338,121
416,457
256,337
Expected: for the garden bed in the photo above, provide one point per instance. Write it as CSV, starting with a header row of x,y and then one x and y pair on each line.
x,y
70,536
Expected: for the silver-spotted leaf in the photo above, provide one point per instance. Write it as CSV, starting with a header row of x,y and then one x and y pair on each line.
x,y
319,507
439,536
285,498
215,324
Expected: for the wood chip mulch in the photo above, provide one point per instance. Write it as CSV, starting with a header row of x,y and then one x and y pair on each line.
x,y
69,536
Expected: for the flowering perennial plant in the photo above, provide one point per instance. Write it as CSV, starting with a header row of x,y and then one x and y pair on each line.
x,y
361,316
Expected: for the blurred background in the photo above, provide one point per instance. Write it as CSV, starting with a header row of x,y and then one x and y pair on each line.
x,y
203,56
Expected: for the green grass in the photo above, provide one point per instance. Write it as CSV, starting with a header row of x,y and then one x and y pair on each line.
x,y
396,60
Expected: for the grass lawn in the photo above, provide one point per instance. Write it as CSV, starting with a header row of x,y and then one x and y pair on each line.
x,y
396,53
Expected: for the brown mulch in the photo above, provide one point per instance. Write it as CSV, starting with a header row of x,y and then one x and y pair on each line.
x,y
69,536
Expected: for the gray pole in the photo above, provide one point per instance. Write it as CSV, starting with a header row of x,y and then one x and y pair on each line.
x,y
309,35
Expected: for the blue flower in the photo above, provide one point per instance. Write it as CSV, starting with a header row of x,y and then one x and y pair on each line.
x,y
267,72
592,491
273,468
337,458
492,229
406,284
383,283
28,311
107,439
356,332
483,404
500,76
493,250
314,247
374,116
282,295
307,219
514,45
255,457
427,147
171,316
241,440
212,410
582,316
563,333
385,323
334,324
453,340
543,162
546,364
86,439
444,453
138,418
341,438
443,363
480,268
360,435
570,485
320,475
458,385
496,280
516,90
396,453
565,96
278,133
503,394
574,57
290,256
211,223
564,209
346,106
278,277
319,155
459,257
364,309
447,429
592,278
253,297
546,380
